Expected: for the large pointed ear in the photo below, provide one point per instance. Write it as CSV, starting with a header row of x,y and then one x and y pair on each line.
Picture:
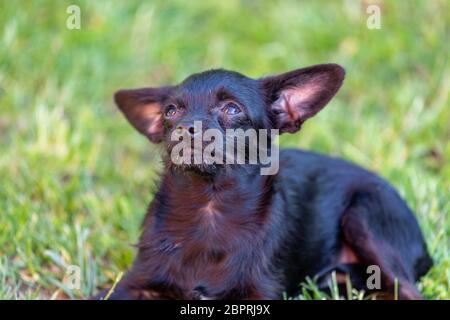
x,y
142,107
298,95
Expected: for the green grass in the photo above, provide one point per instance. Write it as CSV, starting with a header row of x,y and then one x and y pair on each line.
x,y
75,178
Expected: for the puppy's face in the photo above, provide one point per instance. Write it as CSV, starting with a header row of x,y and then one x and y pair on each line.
x,y
219,100
222,100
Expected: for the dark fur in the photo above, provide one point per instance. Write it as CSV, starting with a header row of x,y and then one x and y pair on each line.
x,y
226,232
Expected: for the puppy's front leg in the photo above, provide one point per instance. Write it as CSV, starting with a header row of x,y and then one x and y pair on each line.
x,y
124,293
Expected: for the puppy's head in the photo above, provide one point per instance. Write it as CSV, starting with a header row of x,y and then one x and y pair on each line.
x,y
225,100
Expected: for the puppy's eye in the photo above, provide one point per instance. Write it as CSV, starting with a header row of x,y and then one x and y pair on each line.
x,y
171,110
231,109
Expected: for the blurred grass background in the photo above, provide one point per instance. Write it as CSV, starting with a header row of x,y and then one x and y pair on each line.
x,y
75,178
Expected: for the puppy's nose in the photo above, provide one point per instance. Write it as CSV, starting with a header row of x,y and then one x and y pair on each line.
x,y
188,129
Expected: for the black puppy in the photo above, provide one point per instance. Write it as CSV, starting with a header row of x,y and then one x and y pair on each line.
x,y
218,231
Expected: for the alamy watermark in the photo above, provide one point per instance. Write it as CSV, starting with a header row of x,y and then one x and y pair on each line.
x,y
73,21
72,278
236,146
374,279
374,17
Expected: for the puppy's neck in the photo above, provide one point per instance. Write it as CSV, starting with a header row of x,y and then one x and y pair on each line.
x,y
225,175
240,191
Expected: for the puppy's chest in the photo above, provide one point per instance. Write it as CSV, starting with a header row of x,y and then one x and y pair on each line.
x,y
202,246
209,229
220,222
199,269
